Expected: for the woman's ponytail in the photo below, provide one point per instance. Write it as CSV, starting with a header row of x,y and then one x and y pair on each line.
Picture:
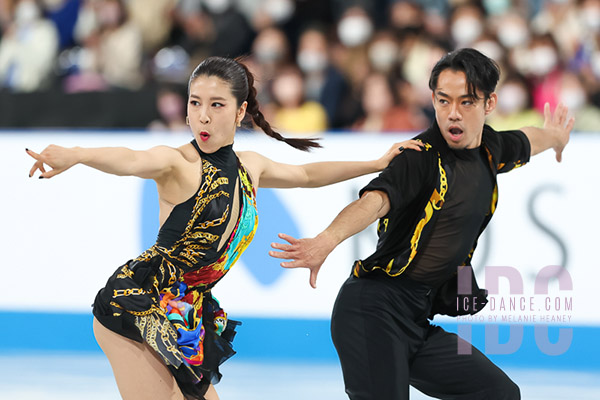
x,y
259,119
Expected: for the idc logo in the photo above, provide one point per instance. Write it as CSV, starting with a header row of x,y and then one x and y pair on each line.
x,y
273,218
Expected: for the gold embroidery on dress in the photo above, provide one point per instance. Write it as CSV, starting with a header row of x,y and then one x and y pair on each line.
x,y
153,324
128,292
126,272
220,181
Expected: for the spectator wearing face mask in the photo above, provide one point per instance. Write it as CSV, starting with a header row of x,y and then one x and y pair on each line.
x,y
384,51
561,20
28,49
419,56
573,94
544,70
323,82
193,30
171,108
383,110
512,30
514,106
467,23
268,13
488,45
271,51
354,30
293,114
233,34
112,48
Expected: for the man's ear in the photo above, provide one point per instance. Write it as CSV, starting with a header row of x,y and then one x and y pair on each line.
x,y
490,103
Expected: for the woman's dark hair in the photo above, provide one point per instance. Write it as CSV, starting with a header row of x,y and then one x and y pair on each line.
x,y
241,82
482,72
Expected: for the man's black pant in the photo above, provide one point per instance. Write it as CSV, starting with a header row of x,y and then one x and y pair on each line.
x,y
385,343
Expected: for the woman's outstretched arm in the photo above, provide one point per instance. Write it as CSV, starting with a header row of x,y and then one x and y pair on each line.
x,y
150,164
279,175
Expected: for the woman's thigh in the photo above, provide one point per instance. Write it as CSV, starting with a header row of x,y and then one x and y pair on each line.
x,y
138,370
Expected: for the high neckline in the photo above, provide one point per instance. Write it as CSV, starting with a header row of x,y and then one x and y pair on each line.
x,y
467,154
223,150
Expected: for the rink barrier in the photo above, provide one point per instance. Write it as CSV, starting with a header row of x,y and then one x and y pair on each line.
x,y
289,340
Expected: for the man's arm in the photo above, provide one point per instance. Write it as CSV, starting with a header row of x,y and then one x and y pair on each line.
x,y
554,134
311,253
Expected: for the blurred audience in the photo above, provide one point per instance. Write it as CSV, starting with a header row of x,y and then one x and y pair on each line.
x,y
383,110
28,48
171,107
323,81
574,95
290,112
515,105
345,64
110,51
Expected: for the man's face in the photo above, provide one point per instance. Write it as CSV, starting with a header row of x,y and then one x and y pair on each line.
x,y
460,116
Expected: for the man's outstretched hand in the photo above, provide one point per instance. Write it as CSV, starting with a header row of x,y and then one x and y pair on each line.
x,y
304,253
559,125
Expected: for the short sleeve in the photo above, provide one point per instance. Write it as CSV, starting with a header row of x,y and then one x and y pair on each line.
x,y
515,150
401,180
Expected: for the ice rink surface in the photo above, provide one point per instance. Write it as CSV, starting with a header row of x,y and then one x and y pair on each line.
x,y
70,376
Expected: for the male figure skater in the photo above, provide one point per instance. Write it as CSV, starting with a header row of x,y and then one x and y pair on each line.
x,y
432,206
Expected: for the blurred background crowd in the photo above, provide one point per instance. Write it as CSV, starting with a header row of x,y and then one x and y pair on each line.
x,y
321,65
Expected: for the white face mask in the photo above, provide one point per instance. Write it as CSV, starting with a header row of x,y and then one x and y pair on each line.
x,y
543,59
490,48
268,54
217,6
573,98
512,35
279,10
383,55
511,99
26,12
312,61
354,30
590,18
465,30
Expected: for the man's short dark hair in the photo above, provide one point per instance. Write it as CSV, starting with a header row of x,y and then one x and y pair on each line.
x,y
482,72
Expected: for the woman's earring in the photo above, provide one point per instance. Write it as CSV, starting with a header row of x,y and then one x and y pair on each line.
x,y
187,120
239,123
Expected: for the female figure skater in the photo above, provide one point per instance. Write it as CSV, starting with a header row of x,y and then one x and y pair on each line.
x,y
156,320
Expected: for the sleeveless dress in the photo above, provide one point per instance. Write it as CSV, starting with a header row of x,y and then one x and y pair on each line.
x,y
163,297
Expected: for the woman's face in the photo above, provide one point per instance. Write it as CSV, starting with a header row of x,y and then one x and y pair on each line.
x,y
213,113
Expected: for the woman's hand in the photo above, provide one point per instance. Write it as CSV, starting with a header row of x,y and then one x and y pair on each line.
x,y
396,149
58,158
